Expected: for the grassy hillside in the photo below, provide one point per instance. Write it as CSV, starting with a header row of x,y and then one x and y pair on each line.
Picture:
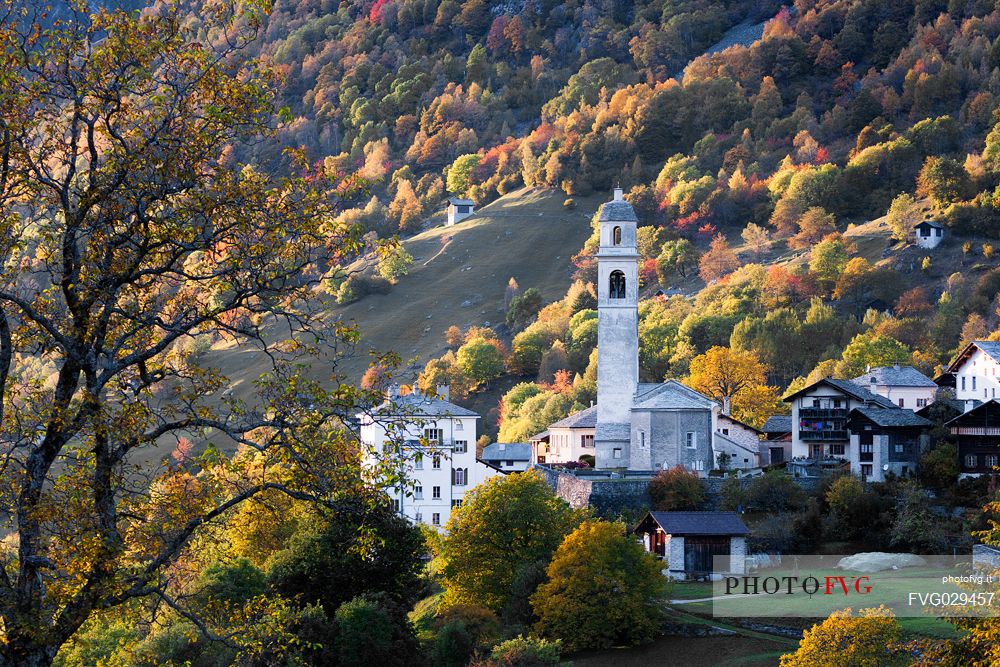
x,y
458,277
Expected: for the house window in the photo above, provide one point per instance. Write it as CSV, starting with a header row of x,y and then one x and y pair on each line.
x,y
436,519
691,440
642,439
459,476
616,452
418,461
587,441
418,492
436,493
616,283
418,517
973,383
963,383
921,402
456,503
725,431
458,425
395,505
866,470
616,236
816,403
899,448
971,461
900,402
837,449
436,462
991,460
541,459
433,435
461,446
836,402
510,463
699,465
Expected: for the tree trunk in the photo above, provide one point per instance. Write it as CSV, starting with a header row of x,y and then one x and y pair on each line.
x,y
27,655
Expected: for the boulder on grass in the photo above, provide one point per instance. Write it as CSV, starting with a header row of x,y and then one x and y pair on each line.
x,y
877,561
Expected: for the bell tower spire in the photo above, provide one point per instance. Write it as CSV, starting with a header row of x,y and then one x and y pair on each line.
x,y
617,331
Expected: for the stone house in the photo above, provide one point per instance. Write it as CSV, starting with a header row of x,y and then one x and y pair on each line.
x,y
886,441
903,385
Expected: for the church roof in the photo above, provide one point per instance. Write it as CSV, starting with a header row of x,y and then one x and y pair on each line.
x,y
698,523
617,211
582,419
669,395
895,376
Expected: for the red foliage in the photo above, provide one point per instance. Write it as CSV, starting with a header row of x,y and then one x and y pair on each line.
x,y
375,14
687,224
708,230
822,156
648,272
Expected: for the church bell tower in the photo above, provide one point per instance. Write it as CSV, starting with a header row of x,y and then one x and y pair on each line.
x,y
617,331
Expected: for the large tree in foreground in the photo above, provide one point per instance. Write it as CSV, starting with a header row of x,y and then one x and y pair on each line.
x,y
130,241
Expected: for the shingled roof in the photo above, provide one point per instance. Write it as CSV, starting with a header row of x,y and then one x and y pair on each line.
x,y
848,387
582,419
891,417
698,523
895,376
778,424
617,211
421,405
507,451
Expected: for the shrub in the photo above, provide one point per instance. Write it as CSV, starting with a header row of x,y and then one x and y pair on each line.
x,y
452,646
523,652
774,491
676,489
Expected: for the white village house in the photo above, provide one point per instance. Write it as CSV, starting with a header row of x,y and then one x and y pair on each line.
x,y
434,444
459,209
903,385
975,371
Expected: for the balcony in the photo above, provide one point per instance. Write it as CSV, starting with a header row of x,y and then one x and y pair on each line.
x,y
824,413
824,436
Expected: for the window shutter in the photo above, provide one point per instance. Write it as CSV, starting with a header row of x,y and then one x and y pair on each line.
x,y
453,476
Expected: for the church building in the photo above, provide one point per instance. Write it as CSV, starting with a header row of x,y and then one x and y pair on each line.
x,y
639,426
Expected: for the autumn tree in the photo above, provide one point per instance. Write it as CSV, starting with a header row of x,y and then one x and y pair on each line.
x,y
943,180
460,173
481,360
871,637
508,527
814,225
678,257
603,590
131,239
904,213
719,261
757,238
738,380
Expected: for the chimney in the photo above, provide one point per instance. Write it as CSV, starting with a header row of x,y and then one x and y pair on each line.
x,y
896,366
969,404
619,195
442,392
726,405
393,391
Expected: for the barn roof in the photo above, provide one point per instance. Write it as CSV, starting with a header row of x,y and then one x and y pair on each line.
x,y
697,523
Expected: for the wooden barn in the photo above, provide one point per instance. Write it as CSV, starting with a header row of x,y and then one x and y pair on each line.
x,y
689,542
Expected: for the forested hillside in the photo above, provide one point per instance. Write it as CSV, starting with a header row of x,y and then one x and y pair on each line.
x,y
755,176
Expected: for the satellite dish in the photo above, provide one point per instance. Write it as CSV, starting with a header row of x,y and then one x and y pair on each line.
x,y
885,467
